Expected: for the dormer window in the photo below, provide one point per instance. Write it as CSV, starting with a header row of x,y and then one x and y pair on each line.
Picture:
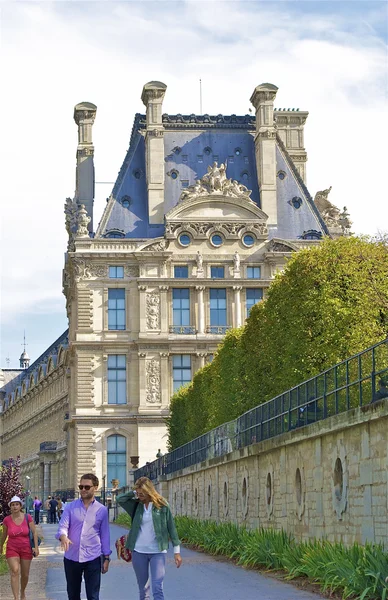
x,y
311,234
114,233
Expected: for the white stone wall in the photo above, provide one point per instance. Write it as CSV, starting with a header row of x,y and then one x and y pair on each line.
x,y
292,483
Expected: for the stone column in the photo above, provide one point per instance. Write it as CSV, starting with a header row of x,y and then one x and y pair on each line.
x,y
164,378
142,308
201,308
201,356
84,116
265,147
46,480
152,97
237,305
163,308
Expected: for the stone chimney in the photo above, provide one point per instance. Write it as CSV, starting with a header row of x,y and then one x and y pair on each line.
x,y
290,127
152,97
84,115
265,148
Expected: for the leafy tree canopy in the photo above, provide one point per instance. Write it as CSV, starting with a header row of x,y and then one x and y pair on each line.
x,y
10,485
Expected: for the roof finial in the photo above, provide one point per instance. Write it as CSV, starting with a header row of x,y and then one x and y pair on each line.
x,y
24,358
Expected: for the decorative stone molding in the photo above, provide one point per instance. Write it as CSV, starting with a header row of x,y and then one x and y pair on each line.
x,y
340,481
131,270
164,288
215,182
142,288
158,246
153,311
268,133
83,221
153,375
333,217
300,492
244,493
269,493
142,354
231,230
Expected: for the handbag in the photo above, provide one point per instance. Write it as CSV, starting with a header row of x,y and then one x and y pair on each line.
x,y
31,536
123,552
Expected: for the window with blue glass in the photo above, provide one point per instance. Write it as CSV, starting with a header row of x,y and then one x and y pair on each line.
x,y
218,307
253,272
181,369
181,306
117,379
217,272
116,308
253,296
116,272
117,459
181,272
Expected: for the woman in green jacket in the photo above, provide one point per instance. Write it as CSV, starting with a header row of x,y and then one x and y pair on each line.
x,y
152,526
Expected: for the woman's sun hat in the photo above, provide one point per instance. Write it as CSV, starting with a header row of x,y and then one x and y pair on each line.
x,y
15,499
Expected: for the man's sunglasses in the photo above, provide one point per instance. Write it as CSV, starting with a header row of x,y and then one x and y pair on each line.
x,y
85,487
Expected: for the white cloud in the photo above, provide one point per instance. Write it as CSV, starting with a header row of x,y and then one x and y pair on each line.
x,y
57,54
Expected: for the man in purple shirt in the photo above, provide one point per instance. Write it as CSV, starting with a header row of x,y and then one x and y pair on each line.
x,y
84,535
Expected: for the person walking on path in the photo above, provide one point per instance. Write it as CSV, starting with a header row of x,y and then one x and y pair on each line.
x,y
37,504
84,535
53,504
18,553
152,526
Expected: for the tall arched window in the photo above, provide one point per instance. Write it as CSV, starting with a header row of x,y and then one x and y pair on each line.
x,y
117,459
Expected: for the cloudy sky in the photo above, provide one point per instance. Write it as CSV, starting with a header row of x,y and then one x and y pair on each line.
x,y
329,58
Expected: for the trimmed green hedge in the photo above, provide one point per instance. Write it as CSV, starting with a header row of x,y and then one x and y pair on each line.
x,y
357,572
330,302
3,562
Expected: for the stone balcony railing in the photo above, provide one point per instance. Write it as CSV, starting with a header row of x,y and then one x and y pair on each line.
x,y
218,329
182,329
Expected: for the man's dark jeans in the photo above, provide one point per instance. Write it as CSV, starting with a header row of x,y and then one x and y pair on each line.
x,y
53,516
92,576
37,516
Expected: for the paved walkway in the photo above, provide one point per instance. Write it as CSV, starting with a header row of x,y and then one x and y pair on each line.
x,y
201,577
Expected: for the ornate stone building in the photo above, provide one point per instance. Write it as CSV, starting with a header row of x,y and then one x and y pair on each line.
x,y
204,212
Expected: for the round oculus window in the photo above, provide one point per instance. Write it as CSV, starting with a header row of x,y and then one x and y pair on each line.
x,y
216,240
296,202
174,174
281,175
248,240
184,239
237,151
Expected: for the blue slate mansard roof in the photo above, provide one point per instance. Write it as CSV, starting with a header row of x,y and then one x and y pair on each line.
x,y
41,361
191,144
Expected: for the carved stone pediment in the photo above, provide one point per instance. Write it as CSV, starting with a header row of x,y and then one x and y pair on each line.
x,y
158,245
277,245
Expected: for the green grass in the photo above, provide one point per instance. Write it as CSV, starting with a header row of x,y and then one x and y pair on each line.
x,y
356,572
124,520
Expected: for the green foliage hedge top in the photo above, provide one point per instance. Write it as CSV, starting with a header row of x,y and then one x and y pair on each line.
x,y
330,302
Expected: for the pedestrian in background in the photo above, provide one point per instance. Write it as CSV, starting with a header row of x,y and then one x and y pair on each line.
x,y
84,535
37,504
18,553
53,504
152,526
59,508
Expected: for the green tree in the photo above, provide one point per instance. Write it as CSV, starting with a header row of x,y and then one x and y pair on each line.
x,y
329,303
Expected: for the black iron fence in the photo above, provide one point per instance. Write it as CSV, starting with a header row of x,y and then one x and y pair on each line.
x,y
357,381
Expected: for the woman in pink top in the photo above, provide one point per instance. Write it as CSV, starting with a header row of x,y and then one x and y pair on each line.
x,y
18,553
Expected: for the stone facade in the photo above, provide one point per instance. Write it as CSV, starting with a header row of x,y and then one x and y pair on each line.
x,y
211,205
328,480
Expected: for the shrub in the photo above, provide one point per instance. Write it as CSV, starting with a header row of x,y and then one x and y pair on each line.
x,y
357,572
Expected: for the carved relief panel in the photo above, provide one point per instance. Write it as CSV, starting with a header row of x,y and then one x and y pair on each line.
x,y
153,381
153,311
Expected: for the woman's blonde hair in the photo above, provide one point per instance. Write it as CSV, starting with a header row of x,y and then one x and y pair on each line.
x,y
146,485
